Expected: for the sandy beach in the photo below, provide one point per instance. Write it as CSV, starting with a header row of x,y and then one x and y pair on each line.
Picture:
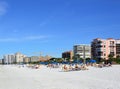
x,y
13,77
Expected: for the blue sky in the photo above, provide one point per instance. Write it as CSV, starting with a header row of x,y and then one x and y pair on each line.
x,y
54,26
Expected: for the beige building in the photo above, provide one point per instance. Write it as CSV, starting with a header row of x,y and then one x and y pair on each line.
x,y
19,57
1,61
34,59
26,60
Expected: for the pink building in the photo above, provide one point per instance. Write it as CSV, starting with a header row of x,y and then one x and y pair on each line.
x,y
102,48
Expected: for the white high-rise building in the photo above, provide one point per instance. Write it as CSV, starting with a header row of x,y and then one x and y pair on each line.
x,y
9,59
15,58
5,59
19,57
82,51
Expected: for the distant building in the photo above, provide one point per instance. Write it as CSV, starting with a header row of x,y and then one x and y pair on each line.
x,y
19,57
117,48
1,61
34,59
11,59
67,55
6,60
102,48
82,51
47,57
26,59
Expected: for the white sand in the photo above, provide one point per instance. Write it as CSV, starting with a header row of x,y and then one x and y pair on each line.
x,y
12,77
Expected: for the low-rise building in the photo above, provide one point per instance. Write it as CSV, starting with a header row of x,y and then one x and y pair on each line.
x,y
67,55
26,59
34,59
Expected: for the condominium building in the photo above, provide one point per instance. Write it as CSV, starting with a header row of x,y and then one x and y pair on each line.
x,y
26,59
19,57
102,48
117,48
1,61
9,59
82,51
14,58
6,60
67,54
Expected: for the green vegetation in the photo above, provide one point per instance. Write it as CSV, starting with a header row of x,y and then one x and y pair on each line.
x,y
59,60
111,59
34,62
117,60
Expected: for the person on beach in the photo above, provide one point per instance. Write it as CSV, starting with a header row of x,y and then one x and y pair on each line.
x,y
65,68
77,67
70,67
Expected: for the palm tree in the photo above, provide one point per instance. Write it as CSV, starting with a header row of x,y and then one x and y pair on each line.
x,y
118,59
111,58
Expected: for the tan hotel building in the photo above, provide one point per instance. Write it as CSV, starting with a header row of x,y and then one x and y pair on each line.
x,y
67,54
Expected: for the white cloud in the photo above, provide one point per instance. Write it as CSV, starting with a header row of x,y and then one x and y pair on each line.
x,y
28,38
3,7
7,39
35,37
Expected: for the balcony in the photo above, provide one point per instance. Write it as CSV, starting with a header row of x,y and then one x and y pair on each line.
x,y
99,49
112,45
112,53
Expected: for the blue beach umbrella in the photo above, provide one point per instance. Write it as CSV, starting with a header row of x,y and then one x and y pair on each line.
x,y
92,61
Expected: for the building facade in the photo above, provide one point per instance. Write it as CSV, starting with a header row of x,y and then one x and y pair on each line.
x,y
117,48
9,59
19,57
6,60
67,55
26,59
1,61
34,59
103,48
82,51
